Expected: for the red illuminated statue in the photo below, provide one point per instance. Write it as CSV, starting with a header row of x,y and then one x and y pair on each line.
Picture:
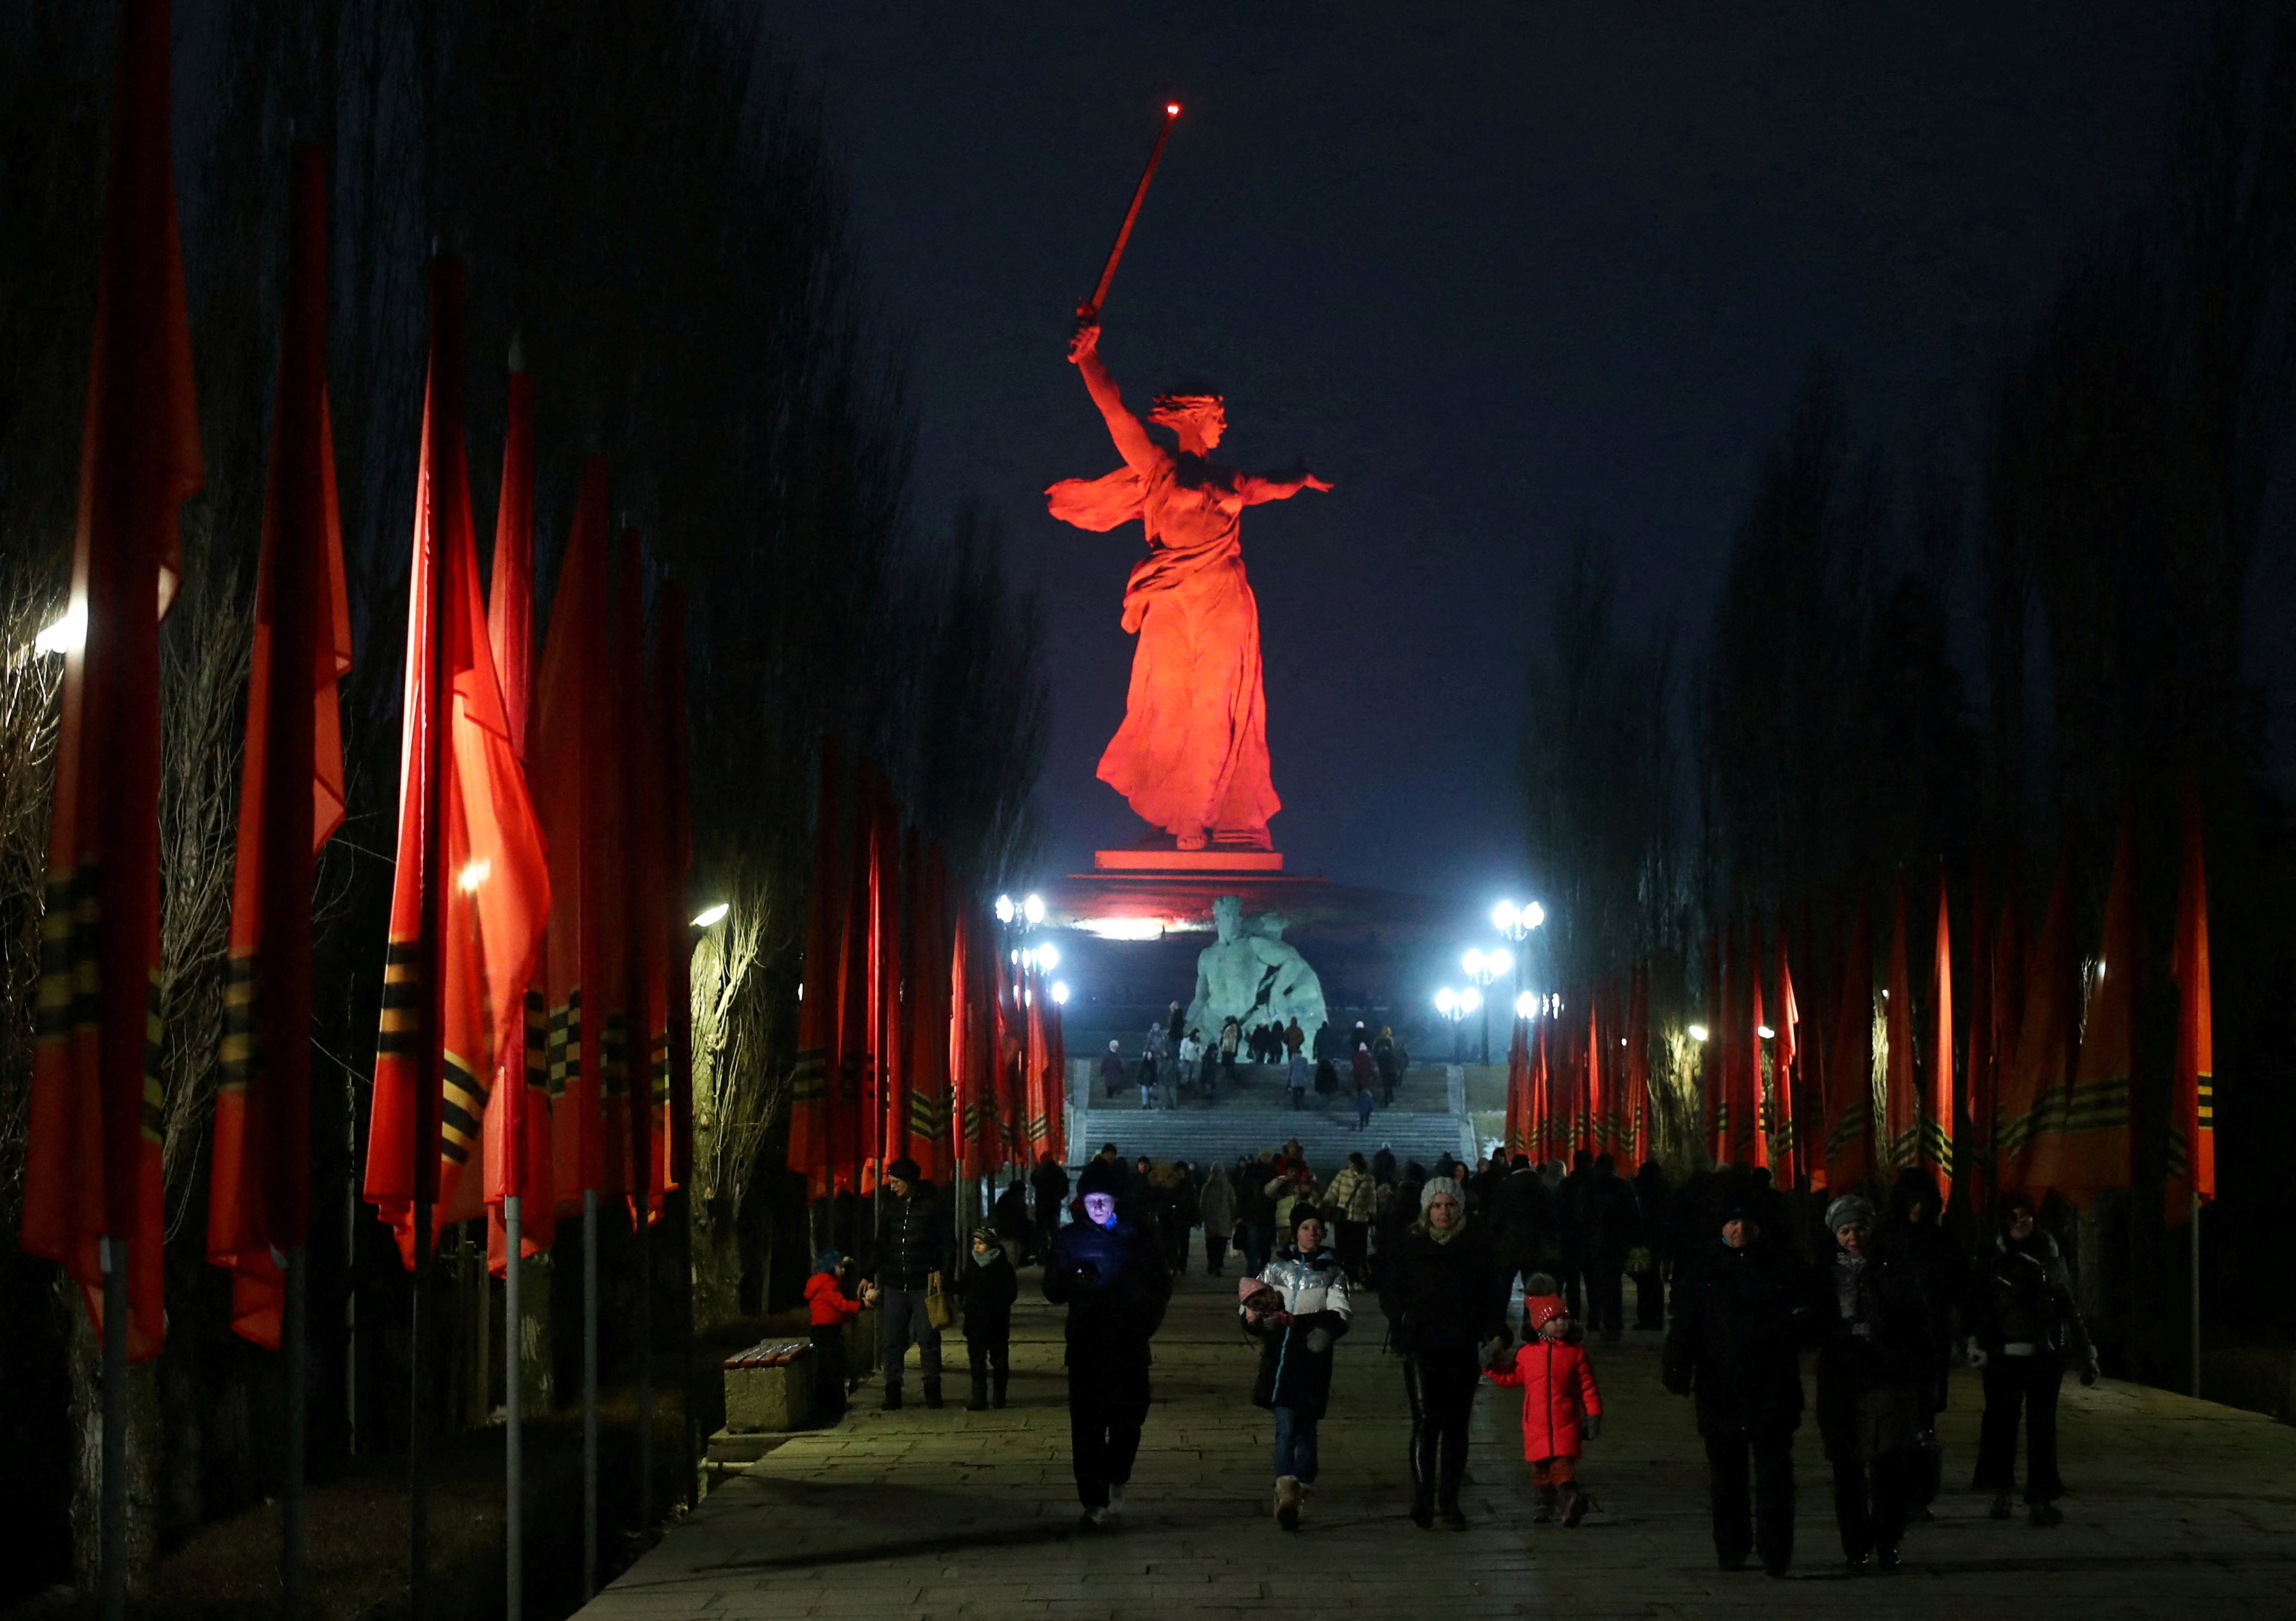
x,y
1192,754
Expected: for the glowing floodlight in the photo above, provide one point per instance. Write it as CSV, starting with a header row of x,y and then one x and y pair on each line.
x,y
1033,909
1445,999
1005,909
474,875
1697,1033
1061,993
1765,1031
66,635
710,917
1526,1006
1469,999
1048,957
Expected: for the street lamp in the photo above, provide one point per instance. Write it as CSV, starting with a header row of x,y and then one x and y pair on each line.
x,y
1005,910
1526,1006
710,917
1697,1033
1454,1006
1033,909
1061,993
1481,967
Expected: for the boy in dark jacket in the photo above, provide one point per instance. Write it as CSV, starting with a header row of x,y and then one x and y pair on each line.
x,y
989,1286
829,1308
1111,1276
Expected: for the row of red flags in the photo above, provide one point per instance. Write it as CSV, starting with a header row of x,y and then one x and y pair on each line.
x,y
534,1031
2036,1079
919,1036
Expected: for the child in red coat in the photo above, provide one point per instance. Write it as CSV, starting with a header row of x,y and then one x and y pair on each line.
x,y
1561,1405
828,1309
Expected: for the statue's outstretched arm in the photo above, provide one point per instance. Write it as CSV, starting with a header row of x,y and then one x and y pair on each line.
x,y
1255,489
1131,436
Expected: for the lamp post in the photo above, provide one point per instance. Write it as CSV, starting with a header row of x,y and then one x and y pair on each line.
x,y
1455,1006
1514,924
1481,967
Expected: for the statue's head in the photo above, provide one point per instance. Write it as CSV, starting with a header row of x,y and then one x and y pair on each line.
x,y
1197,415
1227,918
1272,924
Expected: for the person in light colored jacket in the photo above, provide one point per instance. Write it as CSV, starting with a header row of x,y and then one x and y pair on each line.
x,y
1297,1308
1216,1206
1352,1200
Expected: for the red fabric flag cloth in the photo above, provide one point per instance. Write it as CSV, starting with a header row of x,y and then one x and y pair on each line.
x,y
645,866
518,1123
471,896
2007,1010
1937,1125
968,1056
1513,1138
572,775
2032,1088
929,1035
886,1047
1642,1141
809,1153
1056,1112
673,749
1751,1098
2089,1150
1900,1096
1711,1071
1731,1149
92,1157
1546,1117
855,1053
1595,1128
291,802
2192,1105
1972,1154
1785,1061
1850,1064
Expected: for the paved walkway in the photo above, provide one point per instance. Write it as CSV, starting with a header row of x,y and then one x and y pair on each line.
x,y
2180,1507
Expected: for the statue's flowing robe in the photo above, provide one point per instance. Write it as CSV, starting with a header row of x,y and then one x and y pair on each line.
x,y
1192,754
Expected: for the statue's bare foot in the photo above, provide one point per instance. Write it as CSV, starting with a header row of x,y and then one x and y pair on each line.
x,y
1192,840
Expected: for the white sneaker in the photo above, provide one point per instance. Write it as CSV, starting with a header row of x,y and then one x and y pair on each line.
x,y
1115,1503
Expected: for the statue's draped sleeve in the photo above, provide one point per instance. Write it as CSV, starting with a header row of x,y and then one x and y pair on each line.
x,y
1099,504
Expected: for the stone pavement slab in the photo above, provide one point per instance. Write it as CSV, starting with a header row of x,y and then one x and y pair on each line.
x,y
2179,1508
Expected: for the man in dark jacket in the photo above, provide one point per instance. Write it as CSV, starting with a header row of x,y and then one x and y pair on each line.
x,y
1873,1378
1111,1275
1655,1201
1744,1311
1520,1219
1569,1207
1609,1223
1050,1183
912,1246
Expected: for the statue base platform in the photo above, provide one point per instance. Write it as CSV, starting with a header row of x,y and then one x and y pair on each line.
x,y
1148,862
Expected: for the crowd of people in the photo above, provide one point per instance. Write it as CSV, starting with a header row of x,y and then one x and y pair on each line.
x,y
1742,1279
1178,1063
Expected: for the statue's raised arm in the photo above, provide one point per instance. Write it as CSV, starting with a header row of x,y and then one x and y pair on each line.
x,y
1140,453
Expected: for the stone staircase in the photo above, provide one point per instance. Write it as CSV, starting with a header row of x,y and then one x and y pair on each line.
x,y
1428,1119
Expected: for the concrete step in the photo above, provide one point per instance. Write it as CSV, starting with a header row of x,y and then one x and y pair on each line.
x,y
1224,1133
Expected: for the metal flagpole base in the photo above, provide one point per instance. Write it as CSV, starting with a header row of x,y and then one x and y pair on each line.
x,y
589,1393
514,1406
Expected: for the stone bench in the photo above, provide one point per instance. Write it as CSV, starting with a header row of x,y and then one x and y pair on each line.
x,y
769,1388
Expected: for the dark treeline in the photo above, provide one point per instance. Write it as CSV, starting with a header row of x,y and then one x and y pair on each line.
x,y
1969,672
649,212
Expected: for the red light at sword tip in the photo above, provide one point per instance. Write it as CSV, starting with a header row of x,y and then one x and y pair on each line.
x,y
1172,110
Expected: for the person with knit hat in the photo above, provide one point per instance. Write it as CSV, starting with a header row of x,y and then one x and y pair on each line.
x,y
1744,1311
988,1287
1561,1404
828,1309
1297,1308
912,1245
1874,1371
1111,1276
1445,1299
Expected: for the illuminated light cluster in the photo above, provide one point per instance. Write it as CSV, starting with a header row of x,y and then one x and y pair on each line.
x,y
709,917
1125,928
66,635
474,874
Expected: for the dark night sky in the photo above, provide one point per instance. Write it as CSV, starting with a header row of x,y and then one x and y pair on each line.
x,y
1501,270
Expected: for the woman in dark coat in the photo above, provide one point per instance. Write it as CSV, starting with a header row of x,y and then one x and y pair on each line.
x,y
2027,1332
1297,1307
1445,1298
1875,1375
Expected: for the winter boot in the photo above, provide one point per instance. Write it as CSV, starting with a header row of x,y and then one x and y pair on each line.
x,y
1287,1503
1454,1516
892,1398
1422,1506
998,1380
2002,1509
977,1402
1575,1505
933,1392
1545,1512
2043,1515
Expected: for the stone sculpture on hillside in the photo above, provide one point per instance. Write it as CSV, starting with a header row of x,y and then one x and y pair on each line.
x,y
1251,975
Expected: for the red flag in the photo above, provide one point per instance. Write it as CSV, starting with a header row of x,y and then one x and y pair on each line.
x,y
1514,1138
856,1055
1749,1110
290,801
518,1123
573,776
968,1056
2192,1104
811,1089
1901,1099
1712,1071
92,1165
2032,1088
1937,1129
1641,1144
644,863
472,892
1056,1069
1850,1064
675,1154
1976,1083
2090,1148
1786,1153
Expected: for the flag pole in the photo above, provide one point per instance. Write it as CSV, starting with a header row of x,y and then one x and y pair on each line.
x,y
685,1343
114,1543
418,1485
514,1406
293,1595
589,1391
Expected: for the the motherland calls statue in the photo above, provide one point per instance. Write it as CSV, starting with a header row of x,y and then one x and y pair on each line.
x,y
1192,754
1253,977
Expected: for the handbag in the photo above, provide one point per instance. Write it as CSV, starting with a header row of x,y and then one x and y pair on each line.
x,y
938,1311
